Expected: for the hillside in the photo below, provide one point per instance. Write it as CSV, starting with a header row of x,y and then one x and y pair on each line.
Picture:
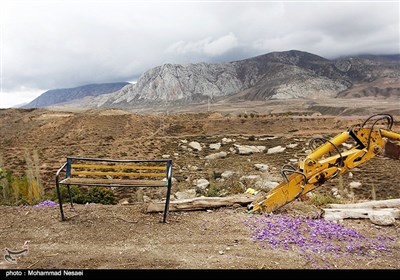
x,y
111,133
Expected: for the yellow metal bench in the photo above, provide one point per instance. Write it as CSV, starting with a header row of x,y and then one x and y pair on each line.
x,y
81,171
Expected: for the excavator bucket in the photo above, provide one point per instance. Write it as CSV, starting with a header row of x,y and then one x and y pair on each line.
x,y
392,150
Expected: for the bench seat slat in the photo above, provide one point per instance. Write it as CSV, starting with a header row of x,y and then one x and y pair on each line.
x,y
119,174
123,167
113,182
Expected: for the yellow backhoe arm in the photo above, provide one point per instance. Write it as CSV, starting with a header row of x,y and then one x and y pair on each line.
x,y
317,169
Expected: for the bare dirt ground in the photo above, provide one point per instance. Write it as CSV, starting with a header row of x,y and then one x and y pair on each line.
x,y
126,237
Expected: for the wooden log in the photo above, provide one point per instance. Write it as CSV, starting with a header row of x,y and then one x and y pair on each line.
x,y
388,203
199,203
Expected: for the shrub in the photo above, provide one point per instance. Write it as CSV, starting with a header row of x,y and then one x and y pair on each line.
x,y
321,200
81,195
213,191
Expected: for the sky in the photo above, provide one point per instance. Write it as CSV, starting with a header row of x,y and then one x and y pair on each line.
x,y
49,44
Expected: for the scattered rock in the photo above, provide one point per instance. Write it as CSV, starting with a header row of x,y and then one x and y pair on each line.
x,y
216,155
355,185
124,201
261,167
291,146
215,146
381,218
193,167
250,178
247,150
269,185
227,174
268,138
202,184
226,141
277,149
190,193
195,145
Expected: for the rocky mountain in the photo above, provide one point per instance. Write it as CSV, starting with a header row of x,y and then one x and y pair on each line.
x,y
277,75
56,97
273,76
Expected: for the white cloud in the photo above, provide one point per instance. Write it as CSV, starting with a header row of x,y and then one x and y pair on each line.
x,y
221,45
182,47
18,97
206,46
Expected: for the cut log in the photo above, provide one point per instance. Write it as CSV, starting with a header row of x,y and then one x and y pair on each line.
x,y
199,203
388,203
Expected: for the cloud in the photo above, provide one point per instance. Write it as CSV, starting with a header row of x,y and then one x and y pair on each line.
x,y
49,44
206,46
18,97
221,45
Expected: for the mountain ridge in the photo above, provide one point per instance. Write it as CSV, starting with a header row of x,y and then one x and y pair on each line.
x,y
276,75
273,76
55,96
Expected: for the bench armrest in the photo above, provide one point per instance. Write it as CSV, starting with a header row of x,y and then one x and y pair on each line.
x,y
59,170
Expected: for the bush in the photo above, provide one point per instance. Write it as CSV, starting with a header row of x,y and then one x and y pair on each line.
x,y
321,200
213,191
102,195
81,195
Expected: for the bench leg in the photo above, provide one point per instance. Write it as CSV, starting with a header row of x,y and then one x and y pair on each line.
x,y
167,203
70,196
60,200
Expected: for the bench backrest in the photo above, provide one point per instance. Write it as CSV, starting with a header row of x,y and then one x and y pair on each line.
x,y
78,167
